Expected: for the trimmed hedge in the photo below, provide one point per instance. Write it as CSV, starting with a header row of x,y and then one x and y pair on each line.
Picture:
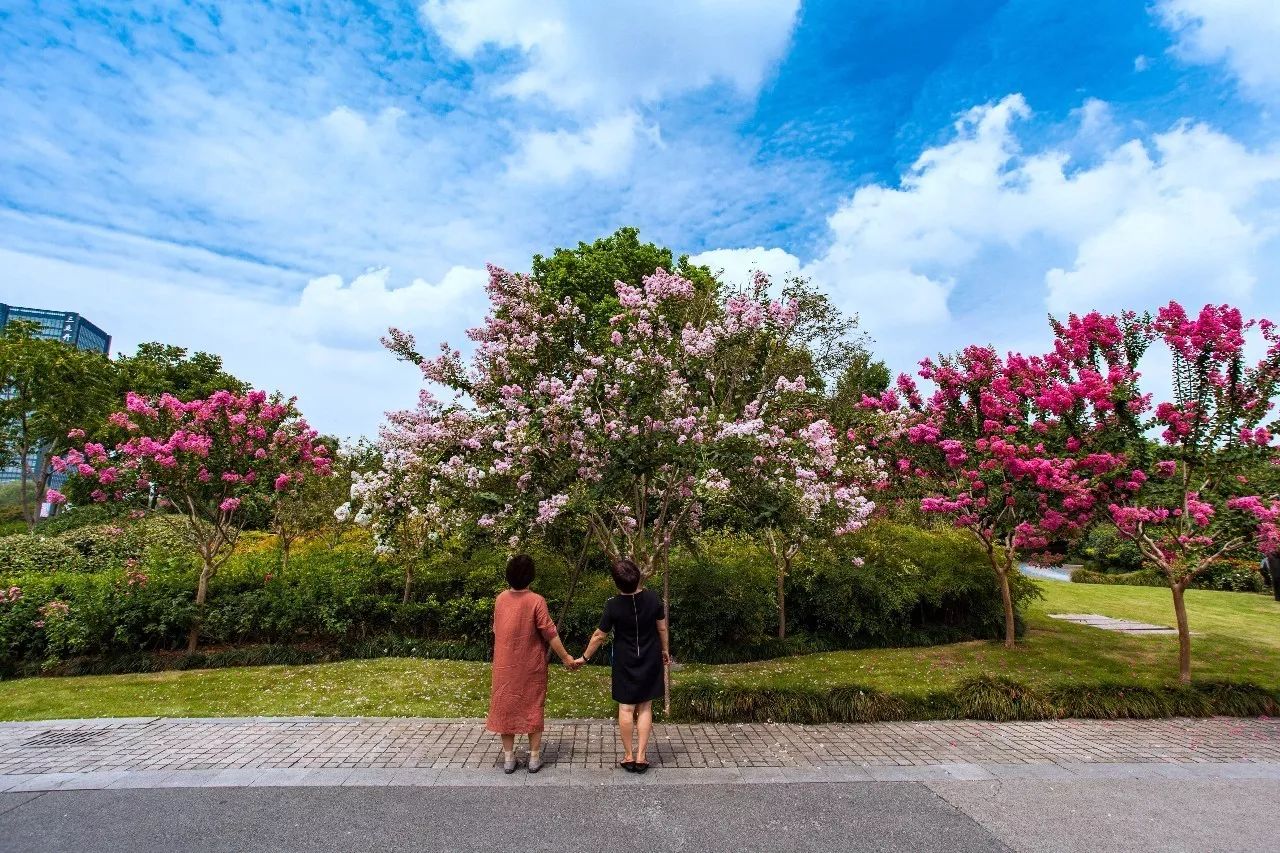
x,y
128,594
983,698
1230,576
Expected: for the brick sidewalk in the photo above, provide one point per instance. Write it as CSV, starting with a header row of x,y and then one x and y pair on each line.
x,y
155,746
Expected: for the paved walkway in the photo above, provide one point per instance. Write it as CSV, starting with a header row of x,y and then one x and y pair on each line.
x,y
158,752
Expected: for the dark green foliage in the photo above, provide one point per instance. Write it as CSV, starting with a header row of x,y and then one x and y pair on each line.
x,y
983,698
1142,577
585,275
1104,548
864,375
993,697
157,369
22,552
916,587
84,516
1225,576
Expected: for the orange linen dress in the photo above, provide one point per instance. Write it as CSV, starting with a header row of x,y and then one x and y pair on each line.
x,y
522,628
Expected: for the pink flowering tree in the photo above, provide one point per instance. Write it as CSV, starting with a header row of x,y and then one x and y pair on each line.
x,y
1014,449
1205,495
411,510
811,486
626,434
210,461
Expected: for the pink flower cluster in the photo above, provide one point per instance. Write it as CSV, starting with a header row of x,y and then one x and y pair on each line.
x,y
1267,515
619,427
205,456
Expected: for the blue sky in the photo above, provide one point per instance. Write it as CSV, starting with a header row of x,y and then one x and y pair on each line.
x,y
280,182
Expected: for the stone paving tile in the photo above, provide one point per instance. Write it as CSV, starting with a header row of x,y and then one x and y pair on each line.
x,y
456,751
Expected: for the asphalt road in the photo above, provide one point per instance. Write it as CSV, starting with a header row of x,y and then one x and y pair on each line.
x,y
822,817
1124,814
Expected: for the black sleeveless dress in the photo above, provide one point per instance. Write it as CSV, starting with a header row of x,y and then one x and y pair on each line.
x,y
637,651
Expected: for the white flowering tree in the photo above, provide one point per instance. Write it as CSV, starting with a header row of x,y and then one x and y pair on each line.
x,y
810,486
404,501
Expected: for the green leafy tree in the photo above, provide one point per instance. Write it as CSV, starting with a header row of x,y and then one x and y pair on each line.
x,y
50,388
158,368
863,376
586,275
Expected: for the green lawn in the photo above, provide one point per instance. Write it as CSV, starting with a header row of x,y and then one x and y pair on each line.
x,y
1238,640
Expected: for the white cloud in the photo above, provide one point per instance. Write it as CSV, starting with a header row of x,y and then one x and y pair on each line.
x,y
604,150
980,237
601,56
737,265
354,315
1245,34
1178,214
320,344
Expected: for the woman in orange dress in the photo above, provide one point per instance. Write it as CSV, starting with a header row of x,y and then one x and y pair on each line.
x,y
522,631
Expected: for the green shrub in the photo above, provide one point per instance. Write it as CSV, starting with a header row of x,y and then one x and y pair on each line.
x,y
1226,576
84,516
1232,576
915,587
1106,549
23,552
1143,577
991,698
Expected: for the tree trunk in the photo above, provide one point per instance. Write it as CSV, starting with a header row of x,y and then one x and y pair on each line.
x,y
1006,596
28,515
408,582
1184,633
284,557
202,592
666,610
573,585
784,568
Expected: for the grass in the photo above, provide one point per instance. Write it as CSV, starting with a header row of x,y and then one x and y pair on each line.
x,y
1060,669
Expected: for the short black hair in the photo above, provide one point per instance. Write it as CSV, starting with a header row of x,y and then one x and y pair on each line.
x,y
520,571
626,575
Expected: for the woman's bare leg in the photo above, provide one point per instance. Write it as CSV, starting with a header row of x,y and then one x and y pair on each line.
x,y
535,742
626,717
508,753
644,722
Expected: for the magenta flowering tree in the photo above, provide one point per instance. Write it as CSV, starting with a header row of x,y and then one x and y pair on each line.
x,y
1015,448
1206,495
211,461
629,434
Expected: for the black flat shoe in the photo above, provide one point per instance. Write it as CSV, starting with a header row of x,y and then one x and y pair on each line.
x,y
639,766
629,766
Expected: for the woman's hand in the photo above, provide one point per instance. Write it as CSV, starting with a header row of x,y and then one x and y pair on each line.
x,y
666,658
573,664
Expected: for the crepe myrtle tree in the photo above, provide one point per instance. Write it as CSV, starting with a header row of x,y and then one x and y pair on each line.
x,y
628,433
1017,449
1201,498
211,461
812,487
412,501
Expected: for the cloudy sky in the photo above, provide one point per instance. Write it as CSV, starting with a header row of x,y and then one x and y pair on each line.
x,y
278,183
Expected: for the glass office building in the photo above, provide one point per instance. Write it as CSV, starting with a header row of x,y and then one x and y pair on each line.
x,y
68,327
65,326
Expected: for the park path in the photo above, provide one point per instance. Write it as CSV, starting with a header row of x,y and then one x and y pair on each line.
x,y
160,752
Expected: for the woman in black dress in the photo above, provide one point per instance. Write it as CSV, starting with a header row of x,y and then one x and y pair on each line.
x,y
640,653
